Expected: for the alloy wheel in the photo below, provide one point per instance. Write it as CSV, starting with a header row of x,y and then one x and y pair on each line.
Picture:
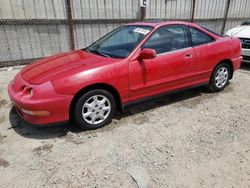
x,y
221,77
96,109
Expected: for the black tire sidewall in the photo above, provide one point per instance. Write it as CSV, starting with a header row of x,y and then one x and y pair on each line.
x,y
212,80
79,104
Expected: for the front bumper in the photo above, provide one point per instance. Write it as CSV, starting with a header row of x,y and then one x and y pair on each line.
x,y
246,55
43,99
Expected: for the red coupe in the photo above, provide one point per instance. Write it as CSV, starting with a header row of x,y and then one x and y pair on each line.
x,y
134,62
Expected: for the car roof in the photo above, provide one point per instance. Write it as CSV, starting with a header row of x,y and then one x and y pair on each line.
x,y
161,23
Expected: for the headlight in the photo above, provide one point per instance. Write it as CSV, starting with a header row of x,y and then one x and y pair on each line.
x,y
31,92
27,90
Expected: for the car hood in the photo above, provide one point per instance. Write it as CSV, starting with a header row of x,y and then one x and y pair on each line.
x,y
241,31
50,68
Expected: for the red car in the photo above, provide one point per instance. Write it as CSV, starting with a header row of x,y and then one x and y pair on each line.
x,y
134,62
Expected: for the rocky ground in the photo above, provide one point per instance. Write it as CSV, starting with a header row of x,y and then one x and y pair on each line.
x,y
189,139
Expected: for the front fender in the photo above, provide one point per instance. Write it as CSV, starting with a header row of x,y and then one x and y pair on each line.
x,y
115,74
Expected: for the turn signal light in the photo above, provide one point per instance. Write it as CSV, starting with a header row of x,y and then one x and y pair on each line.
x,y
35,113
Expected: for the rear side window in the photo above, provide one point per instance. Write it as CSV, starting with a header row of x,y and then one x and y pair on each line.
x,y
168,38
199,37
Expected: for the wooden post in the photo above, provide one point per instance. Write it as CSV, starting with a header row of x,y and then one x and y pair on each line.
x,y
143,13
71,24
143,4
193,10
225,16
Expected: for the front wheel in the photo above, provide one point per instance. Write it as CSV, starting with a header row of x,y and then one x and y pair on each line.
x,y
220,77
94,109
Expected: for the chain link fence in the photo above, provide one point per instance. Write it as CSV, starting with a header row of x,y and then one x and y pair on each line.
x,y
31,29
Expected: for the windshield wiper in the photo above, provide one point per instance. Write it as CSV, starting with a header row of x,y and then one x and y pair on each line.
x,y
98,52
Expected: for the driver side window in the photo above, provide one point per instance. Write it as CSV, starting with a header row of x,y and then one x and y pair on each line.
x,y
168,38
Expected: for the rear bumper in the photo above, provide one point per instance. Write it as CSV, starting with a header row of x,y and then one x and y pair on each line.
x,y
57,106
237,62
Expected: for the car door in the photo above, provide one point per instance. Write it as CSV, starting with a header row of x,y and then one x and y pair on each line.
x,y
173,67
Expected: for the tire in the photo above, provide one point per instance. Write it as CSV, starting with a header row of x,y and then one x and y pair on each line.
x,y
94,109
220,77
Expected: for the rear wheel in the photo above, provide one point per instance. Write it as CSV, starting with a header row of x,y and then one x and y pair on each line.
x,y
94,109
220,77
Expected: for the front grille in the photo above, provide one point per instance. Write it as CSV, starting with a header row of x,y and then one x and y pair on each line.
x,y
246,57
245,43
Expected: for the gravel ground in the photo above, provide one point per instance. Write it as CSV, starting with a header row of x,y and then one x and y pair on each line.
x,y
189,139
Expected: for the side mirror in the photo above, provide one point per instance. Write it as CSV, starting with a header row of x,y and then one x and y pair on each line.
x,y
147,53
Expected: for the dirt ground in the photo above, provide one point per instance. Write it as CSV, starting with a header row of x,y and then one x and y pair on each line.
x,y
189,139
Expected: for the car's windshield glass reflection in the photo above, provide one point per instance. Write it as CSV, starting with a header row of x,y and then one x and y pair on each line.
x,y
120,42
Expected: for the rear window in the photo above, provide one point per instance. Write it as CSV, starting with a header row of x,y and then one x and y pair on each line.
x,y
215,33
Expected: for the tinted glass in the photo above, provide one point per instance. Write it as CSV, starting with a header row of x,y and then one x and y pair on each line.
x,y
120,43
168,38
198,37
246,22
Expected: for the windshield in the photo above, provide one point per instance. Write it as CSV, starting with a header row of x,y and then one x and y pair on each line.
x,y
246,22
120,42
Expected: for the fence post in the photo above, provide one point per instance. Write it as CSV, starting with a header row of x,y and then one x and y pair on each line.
x,y
193,10
71,24
143,4
225,16
142,13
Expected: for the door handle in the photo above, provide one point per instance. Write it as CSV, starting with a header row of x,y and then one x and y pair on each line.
x,y
188,56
